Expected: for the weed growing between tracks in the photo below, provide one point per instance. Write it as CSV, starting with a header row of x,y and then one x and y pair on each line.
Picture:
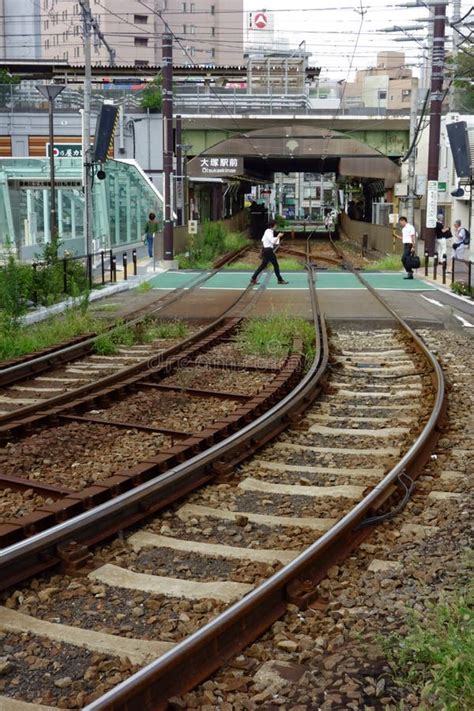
x,y
436,657
286,265
212,241
145,332
390,263
274,335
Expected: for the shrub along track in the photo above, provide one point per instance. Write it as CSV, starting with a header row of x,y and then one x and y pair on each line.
x,y
55,375
24,368
244,528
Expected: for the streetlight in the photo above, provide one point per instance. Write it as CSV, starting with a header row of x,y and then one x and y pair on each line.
x,y
50,92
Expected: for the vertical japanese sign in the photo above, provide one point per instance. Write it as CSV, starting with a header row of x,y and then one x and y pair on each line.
x,y
431,203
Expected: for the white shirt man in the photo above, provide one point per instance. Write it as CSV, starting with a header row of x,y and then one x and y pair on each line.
x,y
409,244
270,239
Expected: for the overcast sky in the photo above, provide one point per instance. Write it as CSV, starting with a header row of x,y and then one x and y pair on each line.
x,y
331,29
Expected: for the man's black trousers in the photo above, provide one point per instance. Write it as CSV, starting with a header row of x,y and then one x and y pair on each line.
x,y
268,257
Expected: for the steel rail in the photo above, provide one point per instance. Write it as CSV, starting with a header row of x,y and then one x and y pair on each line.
x,y
198,656
123,373
31,366
173,484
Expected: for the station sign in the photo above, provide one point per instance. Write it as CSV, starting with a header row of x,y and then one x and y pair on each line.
x,y
215,166
431,203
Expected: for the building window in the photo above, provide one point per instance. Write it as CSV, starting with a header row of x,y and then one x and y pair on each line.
x,y
183,7
213,31
406,93
185,29
213,9
213,52
141,62
382,95
46,44
64,15
191,7
76,52
140,19
66,55
141,41
46,24
76,29
192,29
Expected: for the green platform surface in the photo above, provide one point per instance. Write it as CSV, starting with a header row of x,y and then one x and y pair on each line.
x,y
297,280
174,279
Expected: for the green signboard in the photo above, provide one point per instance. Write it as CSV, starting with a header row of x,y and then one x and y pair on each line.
x,y
442,187
66,150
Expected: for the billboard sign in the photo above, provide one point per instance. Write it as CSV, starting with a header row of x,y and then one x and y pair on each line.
x,y
215,166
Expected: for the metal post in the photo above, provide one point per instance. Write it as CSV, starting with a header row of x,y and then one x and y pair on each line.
x,y
437,78
435,266
50,92
65,275
444,265
34,266
167,111
452,270
469,275
427,261
86,127
111,261
134,258
102,265
114,268
124,262
89,269
179,171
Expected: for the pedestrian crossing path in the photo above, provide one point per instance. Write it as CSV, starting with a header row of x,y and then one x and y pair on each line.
x,y
297,281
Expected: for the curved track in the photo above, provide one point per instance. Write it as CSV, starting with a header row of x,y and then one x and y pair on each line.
x,y
333,453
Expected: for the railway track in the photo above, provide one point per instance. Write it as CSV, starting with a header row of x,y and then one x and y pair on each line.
x,y
235,553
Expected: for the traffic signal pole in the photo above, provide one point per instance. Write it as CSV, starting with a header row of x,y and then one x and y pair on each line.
x,y
437,95
167,113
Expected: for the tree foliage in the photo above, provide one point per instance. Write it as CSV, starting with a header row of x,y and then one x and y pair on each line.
x,y
462,72
152,96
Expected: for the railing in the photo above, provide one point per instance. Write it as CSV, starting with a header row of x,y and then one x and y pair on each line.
x,y
86,271
189,99
461,271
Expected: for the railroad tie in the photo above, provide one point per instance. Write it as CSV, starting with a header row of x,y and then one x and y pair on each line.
x,y
327,471
139,651
138,541
189,511
381,432
115,576
345,490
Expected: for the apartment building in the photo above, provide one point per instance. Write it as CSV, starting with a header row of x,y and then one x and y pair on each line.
x,y
205,31
388,85
20,29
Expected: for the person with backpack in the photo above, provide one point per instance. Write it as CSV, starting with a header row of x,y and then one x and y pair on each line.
x,y
462,239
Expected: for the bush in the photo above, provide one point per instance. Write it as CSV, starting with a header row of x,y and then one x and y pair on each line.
x,y
212,241
151,97
274,336
458,287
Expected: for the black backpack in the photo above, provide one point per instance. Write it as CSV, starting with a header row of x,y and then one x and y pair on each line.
x,y
467,237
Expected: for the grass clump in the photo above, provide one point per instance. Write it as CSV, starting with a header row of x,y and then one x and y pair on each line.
x,y
144,332
390,263
459,287
436,657
273,336
212,241
286,265
22,340
144,286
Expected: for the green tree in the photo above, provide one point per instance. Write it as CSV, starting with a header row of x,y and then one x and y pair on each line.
x,y
462,73
6,80
152,96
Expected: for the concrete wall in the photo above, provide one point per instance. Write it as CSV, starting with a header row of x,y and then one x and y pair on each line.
x,y
20,29
380,238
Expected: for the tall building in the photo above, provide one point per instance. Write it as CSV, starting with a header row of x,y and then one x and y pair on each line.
x,y
20,29
205,31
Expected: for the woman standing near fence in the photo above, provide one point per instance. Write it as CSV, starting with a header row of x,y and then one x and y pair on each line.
x,y
151,228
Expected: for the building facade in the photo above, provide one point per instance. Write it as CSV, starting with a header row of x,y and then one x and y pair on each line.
x,y
20,29
205,32
387,86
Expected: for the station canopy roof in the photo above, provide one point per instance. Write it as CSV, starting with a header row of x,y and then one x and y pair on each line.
x,y
304,149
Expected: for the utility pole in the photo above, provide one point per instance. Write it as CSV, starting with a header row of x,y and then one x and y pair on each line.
x,y
167,111
437,78
412,159
179,191
456,16
86,124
